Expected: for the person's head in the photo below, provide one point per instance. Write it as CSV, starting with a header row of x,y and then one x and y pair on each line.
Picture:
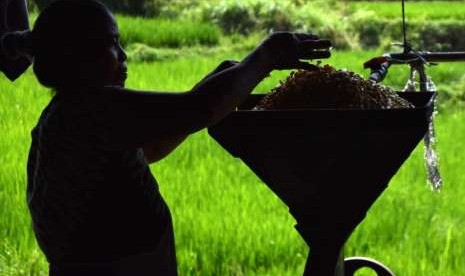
x,y
76,43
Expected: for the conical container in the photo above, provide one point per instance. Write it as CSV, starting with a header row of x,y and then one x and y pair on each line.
x,y
328,166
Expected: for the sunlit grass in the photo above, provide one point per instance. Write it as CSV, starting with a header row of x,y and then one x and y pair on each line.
x,y
426,10
167,33
226,221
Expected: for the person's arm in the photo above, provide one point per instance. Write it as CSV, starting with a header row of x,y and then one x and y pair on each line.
x,y
282,50
133,119
158,149
156,121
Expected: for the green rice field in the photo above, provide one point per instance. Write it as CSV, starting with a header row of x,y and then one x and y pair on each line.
x,y
426,10
227,222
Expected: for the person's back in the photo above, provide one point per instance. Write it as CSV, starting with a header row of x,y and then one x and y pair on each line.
x,y
91,204
80,189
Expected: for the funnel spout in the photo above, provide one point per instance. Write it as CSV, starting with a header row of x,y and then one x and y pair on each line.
x,y
324,261
326,256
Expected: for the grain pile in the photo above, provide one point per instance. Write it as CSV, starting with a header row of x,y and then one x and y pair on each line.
x,y
330,88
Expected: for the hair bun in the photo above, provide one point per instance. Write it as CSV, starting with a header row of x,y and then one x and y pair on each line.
x,y
17,44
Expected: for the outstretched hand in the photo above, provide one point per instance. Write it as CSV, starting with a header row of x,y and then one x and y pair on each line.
x,y
287,50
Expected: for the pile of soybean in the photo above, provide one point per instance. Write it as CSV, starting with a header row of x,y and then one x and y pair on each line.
x,y
330,88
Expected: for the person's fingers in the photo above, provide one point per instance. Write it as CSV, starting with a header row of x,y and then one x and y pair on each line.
x,y
315,44
320,54
306,66
312,49
306,36
314,54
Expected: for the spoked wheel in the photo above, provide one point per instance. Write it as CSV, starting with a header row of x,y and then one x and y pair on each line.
x,y
351,265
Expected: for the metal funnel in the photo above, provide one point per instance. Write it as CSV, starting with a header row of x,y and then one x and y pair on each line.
x,y
328,166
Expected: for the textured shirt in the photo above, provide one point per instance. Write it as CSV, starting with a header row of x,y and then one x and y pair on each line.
x,y
89,202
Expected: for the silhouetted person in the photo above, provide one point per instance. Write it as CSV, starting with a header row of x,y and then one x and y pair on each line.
x,y
95,206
